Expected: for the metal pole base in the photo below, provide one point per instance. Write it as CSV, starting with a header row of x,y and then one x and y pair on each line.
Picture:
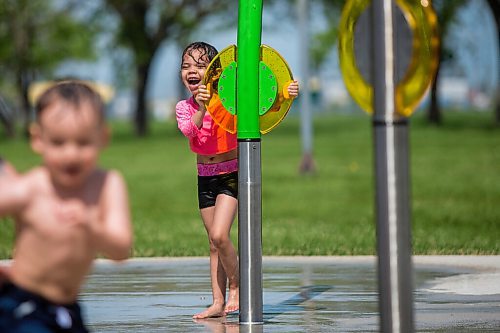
x,y
250,231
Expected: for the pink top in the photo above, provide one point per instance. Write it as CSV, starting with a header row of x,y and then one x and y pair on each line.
x,y
210,139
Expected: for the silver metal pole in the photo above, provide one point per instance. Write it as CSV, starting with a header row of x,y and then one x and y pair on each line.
x,y
250,230
251,329
392,181
307,163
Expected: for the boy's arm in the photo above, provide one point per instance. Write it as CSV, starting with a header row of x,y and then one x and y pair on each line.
x,y
13,192
4,274
114,235
6,169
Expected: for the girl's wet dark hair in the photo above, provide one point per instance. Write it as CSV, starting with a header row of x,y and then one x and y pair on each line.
x,y
209,52
205,49
73,92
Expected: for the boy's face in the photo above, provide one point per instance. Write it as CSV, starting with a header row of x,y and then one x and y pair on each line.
x,y
194,65
69,140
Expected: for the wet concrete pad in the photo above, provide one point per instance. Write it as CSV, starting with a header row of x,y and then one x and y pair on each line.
x,y
301,294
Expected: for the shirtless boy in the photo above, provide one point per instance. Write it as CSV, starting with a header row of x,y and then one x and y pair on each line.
x,y
67,211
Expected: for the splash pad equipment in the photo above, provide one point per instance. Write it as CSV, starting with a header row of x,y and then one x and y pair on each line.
x,y
248,97
274,78
417,77
391,102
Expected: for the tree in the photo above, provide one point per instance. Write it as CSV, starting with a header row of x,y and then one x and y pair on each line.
x,y
35,37
145,24
495,9
446,12
5,119
323,41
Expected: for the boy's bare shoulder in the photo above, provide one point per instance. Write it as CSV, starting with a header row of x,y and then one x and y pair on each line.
x,y
110,180
20,189
36,179
36,174
111,188
110,175
24,180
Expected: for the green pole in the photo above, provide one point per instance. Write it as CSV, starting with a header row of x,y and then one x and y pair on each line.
x,y
249,160
248,57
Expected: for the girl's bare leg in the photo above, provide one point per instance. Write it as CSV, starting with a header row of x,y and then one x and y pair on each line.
x,y
223,257
225,211
217,274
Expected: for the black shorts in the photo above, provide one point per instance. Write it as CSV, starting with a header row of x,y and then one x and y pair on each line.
x,y
23,311
209,187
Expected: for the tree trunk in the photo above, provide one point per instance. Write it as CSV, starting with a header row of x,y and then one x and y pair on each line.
x,y
434,112
496,106
6,118
23,82
495,9
7,123
141,114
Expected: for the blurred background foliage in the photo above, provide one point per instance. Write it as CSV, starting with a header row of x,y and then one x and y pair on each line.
x,y
38,36
454,158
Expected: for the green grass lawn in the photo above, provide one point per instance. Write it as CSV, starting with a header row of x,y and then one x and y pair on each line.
x,y
455,188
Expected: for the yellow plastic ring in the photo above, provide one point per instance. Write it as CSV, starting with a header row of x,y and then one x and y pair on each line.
x,y
423,24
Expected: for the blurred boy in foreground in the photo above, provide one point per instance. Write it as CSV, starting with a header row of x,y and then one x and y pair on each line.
x,y
66,212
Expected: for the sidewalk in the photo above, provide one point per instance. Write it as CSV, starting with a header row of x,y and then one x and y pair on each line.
x,y
301,294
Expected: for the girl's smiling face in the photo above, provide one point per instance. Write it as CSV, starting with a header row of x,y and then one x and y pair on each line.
x,y
194,65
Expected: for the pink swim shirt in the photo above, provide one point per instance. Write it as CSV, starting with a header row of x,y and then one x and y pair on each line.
x,y
210,139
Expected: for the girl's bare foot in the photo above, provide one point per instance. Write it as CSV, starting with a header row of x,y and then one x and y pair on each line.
x,y
215,310
233,301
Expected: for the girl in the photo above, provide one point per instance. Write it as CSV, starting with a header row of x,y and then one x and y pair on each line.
x,y
217,162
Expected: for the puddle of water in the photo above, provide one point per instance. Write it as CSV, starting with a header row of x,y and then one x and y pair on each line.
x,y
468,284
299,296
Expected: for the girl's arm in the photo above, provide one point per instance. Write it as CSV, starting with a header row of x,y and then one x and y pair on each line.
x,y
198,116
185,121
202,96
293,89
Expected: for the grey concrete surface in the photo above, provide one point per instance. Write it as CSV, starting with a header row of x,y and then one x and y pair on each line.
x,y
301,294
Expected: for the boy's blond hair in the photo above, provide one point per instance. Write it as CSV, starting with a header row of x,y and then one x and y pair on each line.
x,y
73,92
